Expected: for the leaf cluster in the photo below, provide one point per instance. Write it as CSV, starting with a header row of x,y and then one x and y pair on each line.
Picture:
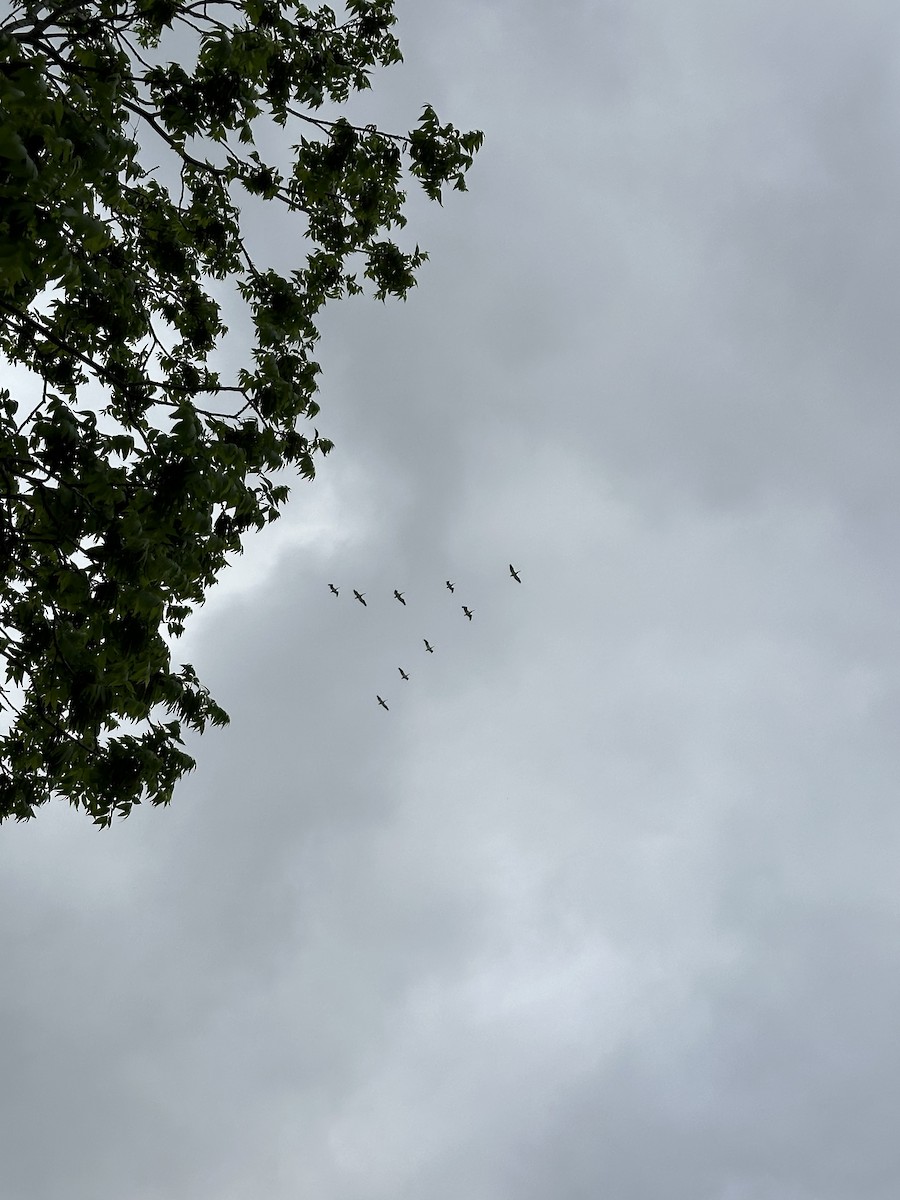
x,y
140,470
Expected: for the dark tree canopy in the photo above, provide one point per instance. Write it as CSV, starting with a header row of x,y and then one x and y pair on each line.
x,y
135,467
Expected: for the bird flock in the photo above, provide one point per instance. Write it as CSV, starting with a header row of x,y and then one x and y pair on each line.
x,y
399,596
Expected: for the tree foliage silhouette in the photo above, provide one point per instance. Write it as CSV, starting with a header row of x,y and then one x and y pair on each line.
x,y
137,466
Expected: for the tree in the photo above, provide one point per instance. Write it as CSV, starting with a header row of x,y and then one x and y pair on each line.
x,y
140,468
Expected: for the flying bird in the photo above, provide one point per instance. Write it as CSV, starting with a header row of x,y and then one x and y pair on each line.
x,y
403,673
467,611
359,596
450,585
382,703
514,573
334,589
399,596
428,646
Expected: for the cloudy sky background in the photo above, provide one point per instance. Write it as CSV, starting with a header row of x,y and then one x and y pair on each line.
x,y
608,903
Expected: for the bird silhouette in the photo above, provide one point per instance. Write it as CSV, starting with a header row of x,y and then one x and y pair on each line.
x,y
382,703
359,596
403,673
399,596
514,573
467,611
334,589
450,585
428,646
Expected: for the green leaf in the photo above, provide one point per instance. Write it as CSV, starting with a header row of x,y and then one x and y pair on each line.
x,y
156,441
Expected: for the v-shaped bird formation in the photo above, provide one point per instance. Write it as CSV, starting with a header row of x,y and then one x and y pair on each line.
x,y
400,597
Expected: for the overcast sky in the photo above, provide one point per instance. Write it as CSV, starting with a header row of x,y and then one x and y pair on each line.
x,y
608,903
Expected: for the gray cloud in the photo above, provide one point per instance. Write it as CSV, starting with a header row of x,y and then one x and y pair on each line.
x,y
606,903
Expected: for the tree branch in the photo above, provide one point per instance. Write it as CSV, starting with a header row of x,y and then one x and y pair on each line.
x,y
171,141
